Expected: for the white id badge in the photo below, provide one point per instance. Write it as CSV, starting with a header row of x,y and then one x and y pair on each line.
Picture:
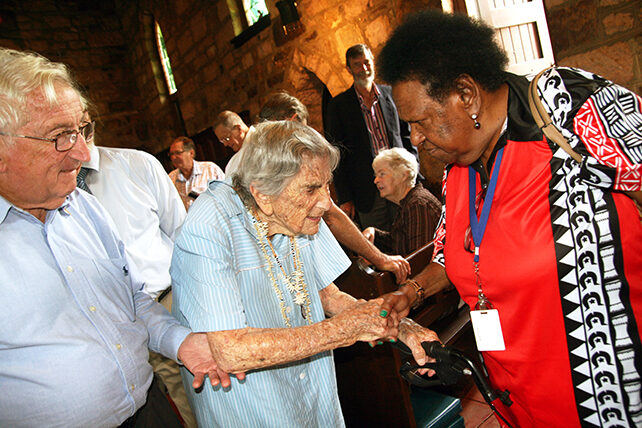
x,y
488,330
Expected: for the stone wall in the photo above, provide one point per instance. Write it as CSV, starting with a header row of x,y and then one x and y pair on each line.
x,y
212,75
88,37
602,36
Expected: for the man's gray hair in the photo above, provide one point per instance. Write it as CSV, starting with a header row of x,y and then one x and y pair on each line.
x,y
400,161
20,74
188,143
274,154
228,119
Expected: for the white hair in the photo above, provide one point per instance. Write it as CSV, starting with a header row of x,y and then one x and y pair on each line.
x,y
20,74
274,153
401,162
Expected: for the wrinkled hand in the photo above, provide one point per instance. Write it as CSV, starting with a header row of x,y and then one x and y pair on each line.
x,y
195,355
348,208
412,334
365,323
395,264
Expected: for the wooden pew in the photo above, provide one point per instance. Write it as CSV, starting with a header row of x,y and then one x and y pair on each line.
x,y
371,391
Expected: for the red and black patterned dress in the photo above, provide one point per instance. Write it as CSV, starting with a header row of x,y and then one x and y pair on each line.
x,y
561,258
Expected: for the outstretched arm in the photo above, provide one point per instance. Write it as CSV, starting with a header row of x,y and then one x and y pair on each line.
x,y
251,348
349,235
427,282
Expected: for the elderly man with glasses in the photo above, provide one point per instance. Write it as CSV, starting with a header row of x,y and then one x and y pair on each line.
x,y
232,132
77,326
190,176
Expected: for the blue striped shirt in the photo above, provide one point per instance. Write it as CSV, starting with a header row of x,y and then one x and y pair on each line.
x,y
220,283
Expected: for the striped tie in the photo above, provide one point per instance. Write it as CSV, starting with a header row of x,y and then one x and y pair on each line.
x,y
80,179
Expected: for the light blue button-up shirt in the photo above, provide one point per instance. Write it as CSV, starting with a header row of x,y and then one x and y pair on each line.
x,y
220,283
75,324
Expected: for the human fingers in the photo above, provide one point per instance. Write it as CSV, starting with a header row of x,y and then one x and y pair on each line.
x,y
198,380
413,335
367,323
219,376
402,269
396,301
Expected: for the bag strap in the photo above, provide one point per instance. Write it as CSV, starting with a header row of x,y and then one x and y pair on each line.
x,y
544,122
543,119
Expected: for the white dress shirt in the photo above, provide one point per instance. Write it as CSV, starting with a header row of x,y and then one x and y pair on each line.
x,y
143,202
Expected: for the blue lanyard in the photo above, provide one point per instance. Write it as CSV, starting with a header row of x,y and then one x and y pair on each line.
x,y
478,227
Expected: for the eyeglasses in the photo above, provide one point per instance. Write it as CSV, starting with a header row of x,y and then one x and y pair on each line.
x,y
176,153
66,139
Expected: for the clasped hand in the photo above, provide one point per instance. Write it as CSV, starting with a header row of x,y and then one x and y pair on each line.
x,y
196,356
380,325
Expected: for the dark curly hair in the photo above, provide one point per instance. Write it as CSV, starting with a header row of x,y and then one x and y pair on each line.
x,y
436,48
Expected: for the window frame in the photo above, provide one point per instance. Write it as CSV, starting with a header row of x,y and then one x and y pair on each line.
x,y
163,55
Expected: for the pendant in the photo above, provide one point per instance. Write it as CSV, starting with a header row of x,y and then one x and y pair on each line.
x,y
299,299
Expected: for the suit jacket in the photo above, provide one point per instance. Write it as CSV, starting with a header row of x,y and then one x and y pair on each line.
x,y
346,128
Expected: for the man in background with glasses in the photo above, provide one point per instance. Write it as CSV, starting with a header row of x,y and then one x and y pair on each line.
x,y
190,176
77,326
232,132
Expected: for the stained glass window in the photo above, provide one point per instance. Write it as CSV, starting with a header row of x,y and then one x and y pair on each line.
x,y
167,67
254,10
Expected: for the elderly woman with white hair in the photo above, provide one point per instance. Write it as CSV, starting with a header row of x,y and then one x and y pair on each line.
x,y
396,172
255,266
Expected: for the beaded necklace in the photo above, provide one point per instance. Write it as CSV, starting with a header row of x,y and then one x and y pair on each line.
x,y
295,283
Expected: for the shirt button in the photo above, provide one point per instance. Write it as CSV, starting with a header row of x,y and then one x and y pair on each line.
x,y
70,269
132,386
118,346
92,308
302,376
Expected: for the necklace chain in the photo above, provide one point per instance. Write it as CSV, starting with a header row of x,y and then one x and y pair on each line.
x,y
295,283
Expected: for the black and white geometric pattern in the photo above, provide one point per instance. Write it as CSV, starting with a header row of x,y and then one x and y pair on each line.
x,y
599,321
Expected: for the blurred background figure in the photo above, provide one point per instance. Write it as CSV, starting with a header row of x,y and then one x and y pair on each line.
x,y
396,172
190,176
283,106
232,132
362,121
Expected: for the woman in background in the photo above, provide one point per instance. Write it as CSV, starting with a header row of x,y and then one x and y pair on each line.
x,y
396,172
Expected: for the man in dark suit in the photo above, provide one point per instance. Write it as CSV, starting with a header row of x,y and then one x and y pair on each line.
x,y
362,121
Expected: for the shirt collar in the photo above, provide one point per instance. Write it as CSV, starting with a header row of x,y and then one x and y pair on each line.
x,y
94,162
375,92
196,170
6,206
